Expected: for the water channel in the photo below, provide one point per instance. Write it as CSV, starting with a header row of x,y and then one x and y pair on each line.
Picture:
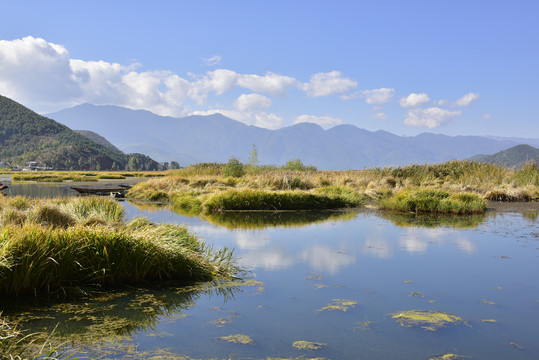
x,y
334,278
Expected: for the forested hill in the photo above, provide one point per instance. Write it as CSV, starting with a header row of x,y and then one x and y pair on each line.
x,y
516,156
27,136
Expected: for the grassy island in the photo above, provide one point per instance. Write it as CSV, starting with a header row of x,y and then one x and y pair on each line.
x,y
67,245
455,187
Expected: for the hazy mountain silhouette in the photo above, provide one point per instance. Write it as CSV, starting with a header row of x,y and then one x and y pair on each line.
x,y
216,138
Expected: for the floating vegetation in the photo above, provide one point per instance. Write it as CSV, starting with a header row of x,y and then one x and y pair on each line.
x,y
314,276
221,322
428,320
515,345
365,325
320,286
488,302
446,357
418,294
339,305
237,339
489,321
308,345
408,282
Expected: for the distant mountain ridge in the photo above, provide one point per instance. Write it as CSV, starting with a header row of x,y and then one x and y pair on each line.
x,y
515,156
26,136
97,138
215,138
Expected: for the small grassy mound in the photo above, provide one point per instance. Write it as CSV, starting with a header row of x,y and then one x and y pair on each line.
x,y
434,201
85,243
272,200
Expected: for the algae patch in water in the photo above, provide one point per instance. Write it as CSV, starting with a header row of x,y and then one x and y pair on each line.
x,y
489,321
340,305
314,276
418,294
307,345
488,302
237,339
446,357
428,320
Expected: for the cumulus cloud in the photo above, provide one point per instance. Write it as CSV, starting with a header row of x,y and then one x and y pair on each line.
x,y
324,84
381,117
211,61
252,102
324,259
378,96
431,117
35,71
271,83
467,99
324,121
260,119
414,100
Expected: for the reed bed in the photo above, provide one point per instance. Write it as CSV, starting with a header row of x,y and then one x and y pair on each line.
x,y
81,176
259,186
66,246
434,201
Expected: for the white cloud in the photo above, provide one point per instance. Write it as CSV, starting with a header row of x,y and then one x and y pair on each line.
x,y
252,102
381,117
260,119
324,121
431,117
211,61
324,84
467,99
37,72
324,259
271,83
378,96
414,100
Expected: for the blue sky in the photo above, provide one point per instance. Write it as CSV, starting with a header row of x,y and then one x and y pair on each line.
x,y
451,67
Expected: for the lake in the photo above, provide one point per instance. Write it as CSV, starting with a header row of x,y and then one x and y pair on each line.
x,y
341,280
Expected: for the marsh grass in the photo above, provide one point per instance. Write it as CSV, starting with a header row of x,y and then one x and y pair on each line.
x,y
80,176
434,201
276,200
202,187
65,246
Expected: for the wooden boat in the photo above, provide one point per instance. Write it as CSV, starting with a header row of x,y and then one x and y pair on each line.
x,y
101,191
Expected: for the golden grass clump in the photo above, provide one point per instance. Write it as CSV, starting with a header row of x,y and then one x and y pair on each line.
x,y
61,245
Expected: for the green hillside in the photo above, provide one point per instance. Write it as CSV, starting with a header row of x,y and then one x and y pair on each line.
x,y
512,157
27,136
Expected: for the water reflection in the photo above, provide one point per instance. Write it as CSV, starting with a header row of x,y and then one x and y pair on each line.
x,y
104,324
433,221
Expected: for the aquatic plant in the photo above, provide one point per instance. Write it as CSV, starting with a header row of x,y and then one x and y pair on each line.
x,y
428,320
237,339
307,345
339,305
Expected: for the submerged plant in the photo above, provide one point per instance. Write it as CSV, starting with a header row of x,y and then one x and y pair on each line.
x,y
307,345
237,339
428,320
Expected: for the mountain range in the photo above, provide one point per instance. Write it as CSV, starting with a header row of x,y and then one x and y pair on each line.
x,y
216,138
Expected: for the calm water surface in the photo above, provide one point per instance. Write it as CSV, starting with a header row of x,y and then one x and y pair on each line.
x,y
479,268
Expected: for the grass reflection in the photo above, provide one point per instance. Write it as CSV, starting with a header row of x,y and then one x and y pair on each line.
x,y
433,221
251,220
103,325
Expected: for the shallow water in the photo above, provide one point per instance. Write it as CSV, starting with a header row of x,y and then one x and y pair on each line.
x,y
478,268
